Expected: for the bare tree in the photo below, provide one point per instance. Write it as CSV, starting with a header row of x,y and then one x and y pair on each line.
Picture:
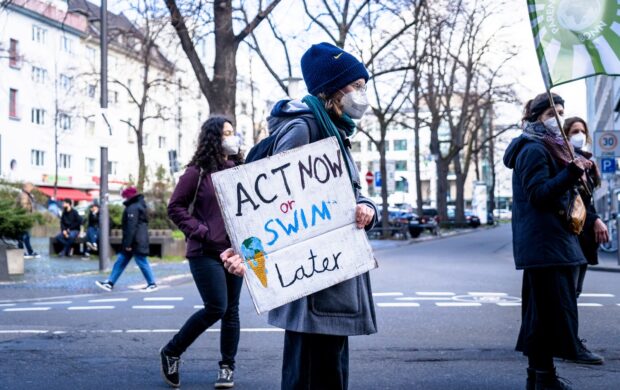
x,y
221,88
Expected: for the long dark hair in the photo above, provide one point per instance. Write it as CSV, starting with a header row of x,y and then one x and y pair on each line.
x,y
209,154
569,122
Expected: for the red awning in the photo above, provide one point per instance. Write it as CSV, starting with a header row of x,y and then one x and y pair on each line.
x,y
64,193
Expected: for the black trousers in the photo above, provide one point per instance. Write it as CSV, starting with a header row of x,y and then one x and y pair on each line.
x,y
315,362
220,292
549,319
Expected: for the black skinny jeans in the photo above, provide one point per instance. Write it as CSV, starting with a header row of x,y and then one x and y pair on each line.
x,y
220,292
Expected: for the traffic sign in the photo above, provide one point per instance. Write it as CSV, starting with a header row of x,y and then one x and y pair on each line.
x,y
608,165
369,177
607,143
378,179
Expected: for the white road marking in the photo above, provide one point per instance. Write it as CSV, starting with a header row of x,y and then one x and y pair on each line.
x,y
199,306
424,299
24,331
487,294
90,308
508,304
6,304
153,307
458,304
59,332
27,309
107,300
435,293
398,304
163,299
387,294
53,303
596,295
589,305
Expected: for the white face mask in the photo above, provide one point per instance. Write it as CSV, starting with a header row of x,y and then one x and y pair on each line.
x,y
355,104
552,125
578,140
230,145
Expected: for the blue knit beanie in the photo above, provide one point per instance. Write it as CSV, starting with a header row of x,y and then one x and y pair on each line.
x,y
327,68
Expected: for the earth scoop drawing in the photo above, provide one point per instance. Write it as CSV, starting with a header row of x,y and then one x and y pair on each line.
x,y
254,255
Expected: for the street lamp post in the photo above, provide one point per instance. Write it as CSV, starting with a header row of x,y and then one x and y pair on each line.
x,y
104,220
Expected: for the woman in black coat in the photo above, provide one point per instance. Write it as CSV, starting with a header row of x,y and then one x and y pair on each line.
x,y
135,241
544,182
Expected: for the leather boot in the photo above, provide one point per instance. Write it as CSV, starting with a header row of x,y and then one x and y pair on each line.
x,y
549,380
530,384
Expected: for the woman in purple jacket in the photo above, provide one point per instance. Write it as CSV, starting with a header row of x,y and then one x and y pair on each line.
x,y
194,209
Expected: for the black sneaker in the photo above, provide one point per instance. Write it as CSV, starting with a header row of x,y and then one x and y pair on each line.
x,y
170,368
224,378
585,356
33,255
105,285
549,380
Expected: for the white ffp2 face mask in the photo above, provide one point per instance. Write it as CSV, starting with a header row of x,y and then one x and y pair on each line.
x,y
552,124
578,140
355,104
230,145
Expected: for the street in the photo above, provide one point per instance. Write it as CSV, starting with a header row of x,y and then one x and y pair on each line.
x,y
448,314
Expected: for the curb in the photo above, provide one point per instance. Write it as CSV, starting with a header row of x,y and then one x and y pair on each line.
x,y
604,269
412,241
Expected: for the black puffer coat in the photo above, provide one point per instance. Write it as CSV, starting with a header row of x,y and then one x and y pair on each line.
x,y
135,226
541,192
587,238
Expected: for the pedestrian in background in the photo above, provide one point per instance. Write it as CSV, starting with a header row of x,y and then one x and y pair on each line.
x,y
26,201
594,230
135,242
194,209
316,342
70,226
92,230
544,180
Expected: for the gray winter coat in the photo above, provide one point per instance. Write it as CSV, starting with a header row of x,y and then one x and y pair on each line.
x,y
347,308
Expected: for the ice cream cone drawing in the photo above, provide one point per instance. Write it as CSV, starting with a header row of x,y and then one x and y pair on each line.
x,y
255,256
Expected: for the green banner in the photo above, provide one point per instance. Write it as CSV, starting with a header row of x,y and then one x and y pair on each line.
x,y
576,38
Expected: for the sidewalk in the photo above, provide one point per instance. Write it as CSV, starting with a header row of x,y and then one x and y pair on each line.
x,y
607,262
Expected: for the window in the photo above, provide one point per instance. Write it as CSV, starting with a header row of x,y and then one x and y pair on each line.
x,y
91,54
64,121
38,34
66,82
90,165
90,127
13,104
112,97
37,158
401,165
38,116
66,44
14,60
64,161
91,90
145,139
162,142
356,146
400,144
39,75
112,167
371,146
402,186
386,145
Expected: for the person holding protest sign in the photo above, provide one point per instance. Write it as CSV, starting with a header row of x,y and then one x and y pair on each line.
x,y
545,241
194,209
316,352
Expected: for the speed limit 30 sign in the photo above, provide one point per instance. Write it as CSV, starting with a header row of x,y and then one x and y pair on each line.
x,y
607,143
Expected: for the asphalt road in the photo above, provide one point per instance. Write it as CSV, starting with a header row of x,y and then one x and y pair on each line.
x,y
448,313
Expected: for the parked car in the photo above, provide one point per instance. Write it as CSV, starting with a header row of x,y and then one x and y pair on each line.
x,y
490,218
429,221
502,214
397,220
471,219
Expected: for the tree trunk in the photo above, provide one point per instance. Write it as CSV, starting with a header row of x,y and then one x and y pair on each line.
x,y
460,190
222,99
418,179
443,188
141,164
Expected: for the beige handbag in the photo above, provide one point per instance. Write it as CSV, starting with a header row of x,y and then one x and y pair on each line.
x,y
576,215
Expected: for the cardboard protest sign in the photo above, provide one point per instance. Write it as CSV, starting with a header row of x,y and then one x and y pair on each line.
x,y
292,218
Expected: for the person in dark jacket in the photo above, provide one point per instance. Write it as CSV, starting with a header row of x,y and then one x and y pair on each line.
x,y
194,209
594,230
70,225
135,242
316,343
92,230
544,183
26,201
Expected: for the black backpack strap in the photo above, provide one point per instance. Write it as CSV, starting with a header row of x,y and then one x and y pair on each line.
x,y
190,209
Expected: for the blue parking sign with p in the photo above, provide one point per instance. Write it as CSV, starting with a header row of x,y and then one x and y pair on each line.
x,y
608,165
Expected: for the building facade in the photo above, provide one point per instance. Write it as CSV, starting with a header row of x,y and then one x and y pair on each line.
x,y
50,121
